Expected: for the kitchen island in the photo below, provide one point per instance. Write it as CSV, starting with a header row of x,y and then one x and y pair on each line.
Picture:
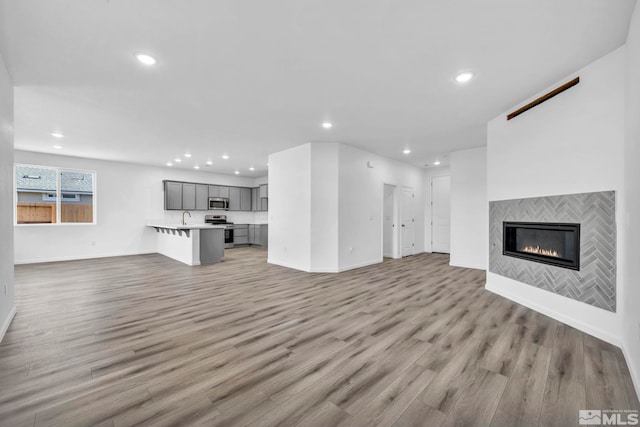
x,y
196,244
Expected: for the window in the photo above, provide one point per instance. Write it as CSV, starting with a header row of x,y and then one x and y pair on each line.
x,y
49,195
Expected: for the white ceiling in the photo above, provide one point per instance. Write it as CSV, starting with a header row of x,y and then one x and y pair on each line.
x,y
253,77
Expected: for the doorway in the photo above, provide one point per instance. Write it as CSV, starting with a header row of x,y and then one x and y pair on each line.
x,y
388,221
407,222
441,214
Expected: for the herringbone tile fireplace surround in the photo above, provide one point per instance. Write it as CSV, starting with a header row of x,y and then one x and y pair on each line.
x,y
595,282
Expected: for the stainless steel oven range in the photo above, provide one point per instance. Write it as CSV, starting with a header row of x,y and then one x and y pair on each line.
x,y
228,231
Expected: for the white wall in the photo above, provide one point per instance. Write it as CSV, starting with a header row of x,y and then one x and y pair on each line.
x,y
326,206
572,143
631,218
469,209
7,304
128,196
361,204
324,189
290,208
429,174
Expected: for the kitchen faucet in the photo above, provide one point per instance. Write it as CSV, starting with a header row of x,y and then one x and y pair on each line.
x,y
185,212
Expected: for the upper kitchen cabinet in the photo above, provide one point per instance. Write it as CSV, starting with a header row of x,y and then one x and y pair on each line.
x,y
225,192
202,197
234,199
264,191
172,195
239,199
192,196
245,199
255,199
188,196
219,191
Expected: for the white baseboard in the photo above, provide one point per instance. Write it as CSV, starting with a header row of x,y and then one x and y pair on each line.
x,y
288,265
561,317
78,257
359,265
476,267
635,375
7,322
322,270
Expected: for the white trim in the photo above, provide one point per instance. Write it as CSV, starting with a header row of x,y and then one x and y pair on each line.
x,y
561,317
635,376
287,265
7,323
73,258
476,266
323,270
360,264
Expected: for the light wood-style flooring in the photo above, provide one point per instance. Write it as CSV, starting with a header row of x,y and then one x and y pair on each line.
x,y
145,340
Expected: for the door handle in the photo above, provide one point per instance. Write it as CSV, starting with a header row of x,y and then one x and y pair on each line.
x,y
403,225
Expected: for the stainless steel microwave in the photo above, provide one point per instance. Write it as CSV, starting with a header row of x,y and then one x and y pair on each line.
x,y
218,203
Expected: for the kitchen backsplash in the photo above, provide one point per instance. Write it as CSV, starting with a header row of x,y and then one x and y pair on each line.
x,y
197,217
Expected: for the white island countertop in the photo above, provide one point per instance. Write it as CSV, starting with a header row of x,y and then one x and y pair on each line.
x,y
184,227
192,244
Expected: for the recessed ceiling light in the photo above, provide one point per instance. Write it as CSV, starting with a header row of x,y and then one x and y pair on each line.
x,y
196,167
187,155
57,135
237,172
209,162
169,164
224,156
464,77
252,168
177,159
437,162
57,147
327,125
146,59
406,151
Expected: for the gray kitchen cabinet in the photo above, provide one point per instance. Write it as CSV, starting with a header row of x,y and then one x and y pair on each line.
x,y
224,191
245,199
234,199
255,199
253,236
172,195
259,235
264,204
188,196
194,196
241,234
264,235
219,191
211,245
202,197
264,191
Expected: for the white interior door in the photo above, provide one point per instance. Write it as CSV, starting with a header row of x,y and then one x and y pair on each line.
x,y
441,214
407,222
387,221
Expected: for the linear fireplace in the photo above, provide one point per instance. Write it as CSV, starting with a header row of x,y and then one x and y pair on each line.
x,y
548,243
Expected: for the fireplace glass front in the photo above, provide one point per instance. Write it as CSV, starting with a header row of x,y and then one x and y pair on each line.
x,y
548,243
